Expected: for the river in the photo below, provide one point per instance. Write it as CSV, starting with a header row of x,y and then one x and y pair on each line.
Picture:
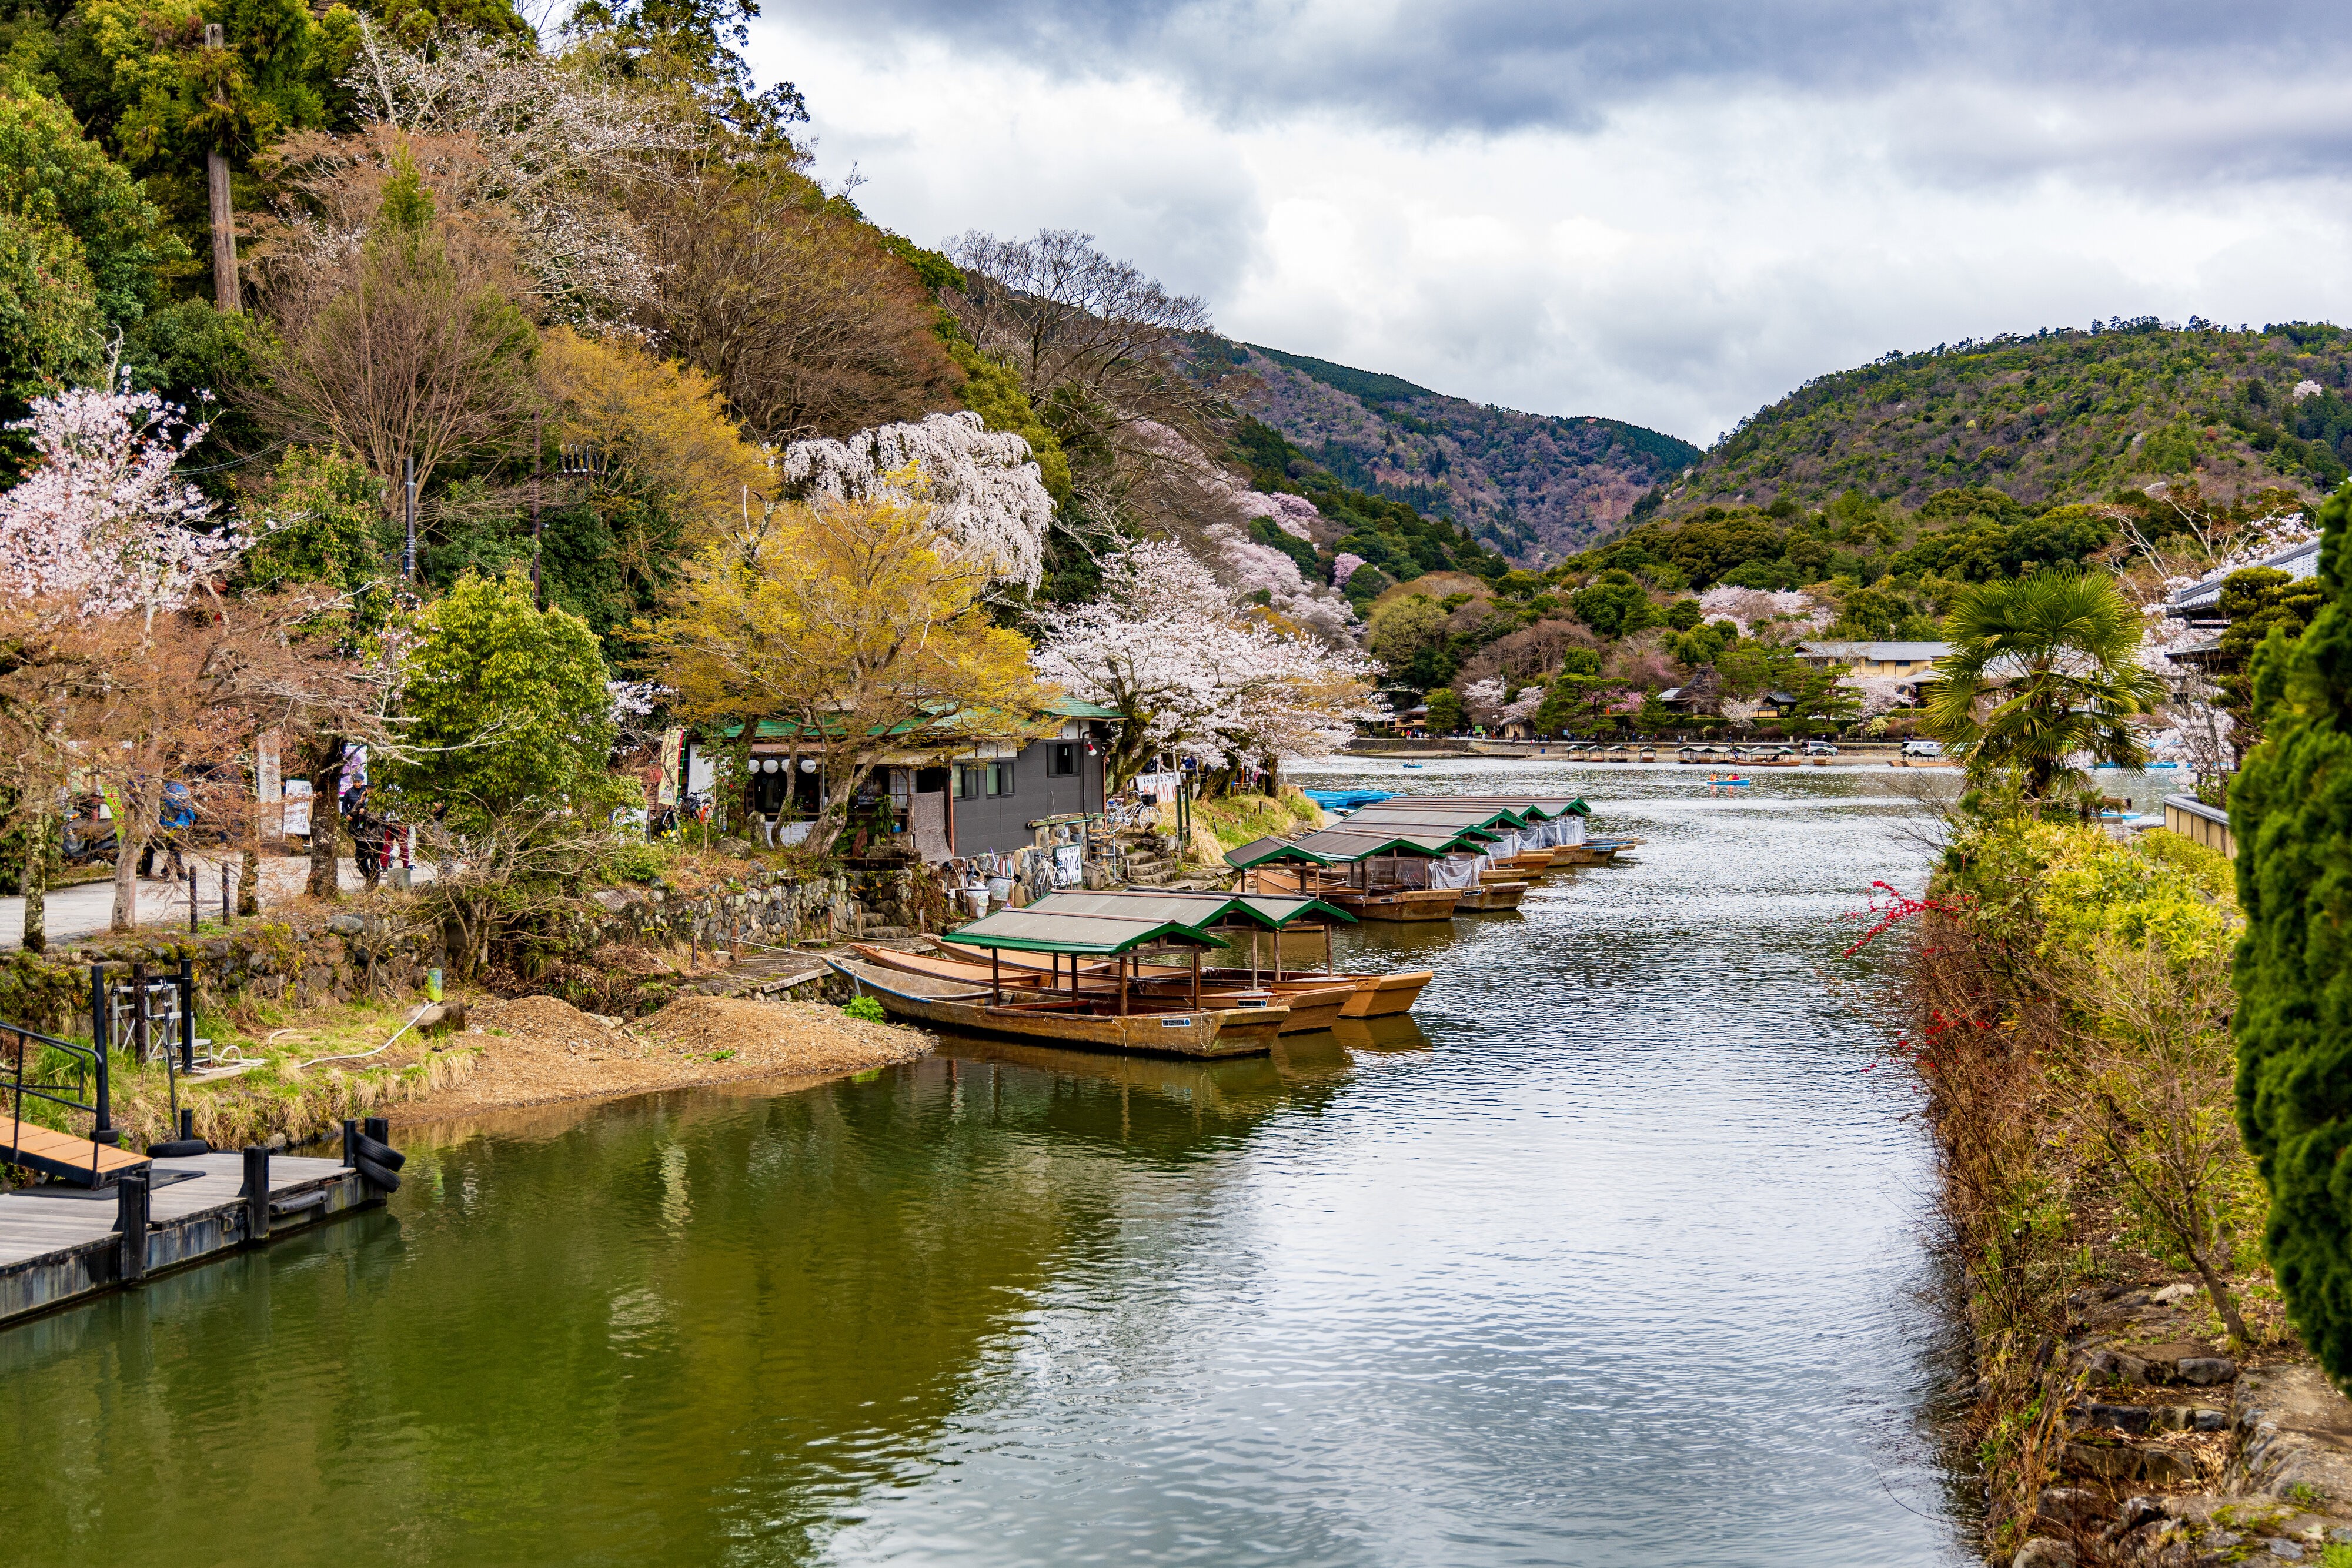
x,y
1621,1257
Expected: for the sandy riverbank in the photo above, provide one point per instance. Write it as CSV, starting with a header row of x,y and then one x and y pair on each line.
x,y
537,1050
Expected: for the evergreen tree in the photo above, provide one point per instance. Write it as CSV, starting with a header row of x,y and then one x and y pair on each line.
x,y
2291,810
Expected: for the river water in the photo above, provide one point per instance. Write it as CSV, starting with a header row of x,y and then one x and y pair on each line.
x,y
1619,1257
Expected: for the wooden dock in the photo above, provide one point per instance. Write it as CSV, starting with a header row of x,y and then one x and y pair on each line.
x,y
55,1250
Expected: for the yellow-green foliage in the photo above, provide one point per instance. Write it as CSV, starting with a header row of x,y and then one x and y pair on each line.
x,y
2063,887
2164,889
1236,819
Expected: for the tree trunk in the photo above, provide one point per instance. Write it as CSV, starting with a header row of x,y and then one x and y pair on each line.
x,y
129,839
2223,1302
326,816
37,883
226,295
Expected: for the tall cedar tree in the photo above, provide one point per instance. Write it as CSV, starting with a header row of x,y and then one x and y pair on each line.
x,y
2291,810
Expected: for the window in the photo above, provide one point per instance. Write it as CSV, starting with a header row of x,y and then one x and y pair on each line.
x,y
967,783
1000,779
1062,762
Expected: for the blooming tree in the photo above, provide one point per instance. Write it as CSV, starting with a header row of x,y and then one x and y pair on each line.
x,y
1748,608
1343,567
552,144
1484,700
980,487
103,523
1190,670
100,544
1521,709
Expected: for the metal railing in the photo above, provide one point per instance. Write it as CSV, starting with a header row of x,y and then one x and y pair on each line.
x,y
87,1061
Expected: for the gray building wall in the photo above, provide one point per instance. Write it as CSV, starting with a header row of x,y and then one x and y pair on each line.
x,y
993,823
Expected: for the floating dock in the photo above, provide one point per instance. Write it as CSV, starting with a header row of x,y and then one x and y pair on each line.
x,y
56,1249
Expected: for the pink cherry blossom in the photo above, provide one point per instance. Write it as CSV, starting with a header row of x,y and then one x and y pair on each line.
x,y
102,522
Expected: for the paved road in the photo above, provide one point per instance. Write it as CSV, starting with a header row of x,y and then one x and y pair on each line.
x,y
85,909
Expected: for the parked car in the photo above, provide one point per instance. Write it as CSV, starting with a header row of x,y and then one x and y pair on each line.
x,y
1820,749
1923,748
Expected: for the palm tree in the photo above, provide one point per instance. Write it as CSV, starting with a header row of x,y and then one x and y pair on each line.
x,y
2042,668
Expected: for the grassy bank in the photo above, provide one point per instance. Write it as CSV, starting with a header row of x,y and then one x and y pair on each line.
x,y
1229,822
311,1068
2066,1001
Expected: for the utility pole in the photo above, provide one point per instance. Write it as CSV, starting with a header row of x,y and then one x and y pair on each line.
x,y
408,552
226,295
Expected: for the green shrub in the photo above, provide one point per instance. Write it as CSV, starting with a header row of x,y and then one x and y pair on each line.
x,y
2291,810
632,863
865,1007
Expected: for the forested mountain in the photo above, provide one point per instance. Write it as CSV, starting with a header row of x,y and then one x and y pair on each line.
x,y
1535,486
2053,416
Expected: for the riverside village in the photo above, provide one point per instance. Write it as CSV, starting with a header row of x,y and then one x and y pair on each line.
x,y
724,840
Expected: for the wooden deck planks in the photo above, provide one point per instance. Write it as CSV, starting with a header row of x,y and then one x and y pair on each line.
x,y
49,1144
36,1227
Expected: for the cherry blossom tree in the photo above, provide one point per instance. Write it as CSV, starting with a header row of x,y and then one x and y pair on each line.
x,y
103,523
1484,700
1343,568
981,487
1521,709
100,547
1191,671
553,140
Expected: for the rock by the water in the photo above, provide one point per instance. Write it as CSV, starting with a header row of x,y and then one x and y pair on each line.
x,y
2043,1553
2067,1505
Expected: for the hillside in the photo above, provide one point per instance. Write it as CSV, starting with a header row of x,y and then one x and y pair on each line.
x,y
1535,486
2055,416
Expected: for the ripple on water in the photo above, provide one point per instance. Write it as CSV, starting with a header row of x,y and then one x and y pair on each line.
x,y
1623,1267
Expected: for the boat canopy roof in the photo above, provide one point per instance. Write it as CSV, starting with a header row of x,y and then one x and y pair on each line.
x,y
1269,911
1480,810
1038,930
1469,814
1534,808
1349,842
1274,851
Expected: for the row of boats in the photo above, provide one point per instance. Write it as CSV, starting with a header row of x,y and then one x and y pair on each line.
x,y
1161,970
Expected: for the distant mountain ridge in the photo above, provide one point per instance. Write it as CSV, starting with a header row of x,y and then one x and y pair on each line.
x,y
2049,417
1538,487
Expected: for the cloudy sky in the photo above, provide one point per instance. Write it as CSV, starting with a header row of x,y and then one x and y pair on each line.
x,y
1656,210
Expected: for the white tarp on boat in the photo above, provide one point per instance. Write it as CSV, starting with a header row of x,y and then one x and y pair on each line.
x,y
1456,872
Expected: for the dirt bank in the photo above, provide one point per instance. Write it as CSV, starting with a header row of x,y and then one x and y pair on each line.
x,y
537,1050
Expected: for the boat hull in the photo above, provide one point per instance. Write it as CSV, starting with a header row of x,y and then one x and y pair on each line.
x,y
1491,898
1209,1033
1379,996
1311,1007
1400,903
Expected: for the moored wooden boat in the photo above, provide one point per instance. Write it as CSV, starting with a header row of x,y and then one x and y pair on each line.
x,y
1491,897
1398,903
1311,1007
1150,1024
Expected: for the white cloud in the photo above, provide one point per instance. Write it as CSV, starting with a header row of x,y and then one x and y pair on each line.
x,y
1693,253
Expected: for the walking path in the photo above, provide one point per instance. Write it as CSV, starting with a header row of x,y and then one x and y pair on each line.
x,y
87,908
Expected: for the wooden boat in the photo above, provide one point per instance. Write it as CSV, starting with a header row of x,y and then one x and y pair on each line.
x,y
1381,901
1398,903
1491,897
1375,996
1150,1024
1311,1007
